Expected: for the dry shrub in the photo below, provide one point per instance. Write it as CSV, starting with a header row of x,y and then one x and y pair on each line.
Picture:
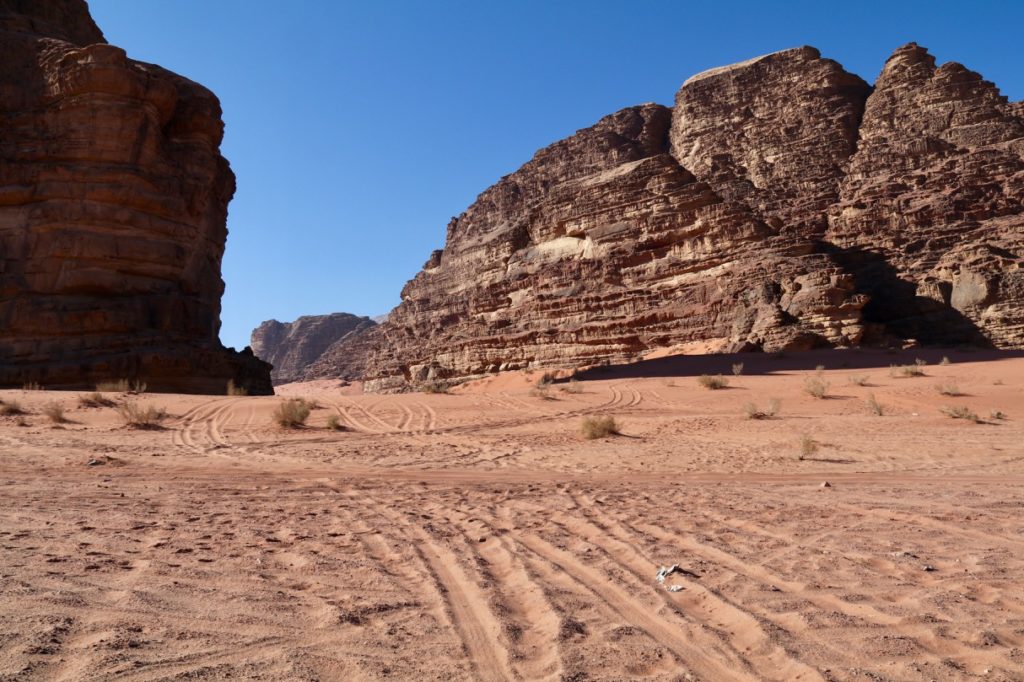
x,y
11,409
960,412
996,414
334,423
546,379
754,412
572,387
713,383
915,370
875,407
542,392
138,416
291,413
859,379
95,399
122,386
32,386
737,369
949,388
236,390
599,427
808,446
55,412
945,360
816,386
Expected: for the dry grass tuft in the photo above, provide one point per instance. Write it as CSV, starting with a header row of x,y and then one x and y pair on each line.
x,y
906,371
737,369
808,446
949,388
754,412
961,412
712,383
334,423
859,379
996,414
815,385
541,391
599,427
876,408
122,386
11,409
572,387
945,360
292,413
55,412
142,416
32,386
95,399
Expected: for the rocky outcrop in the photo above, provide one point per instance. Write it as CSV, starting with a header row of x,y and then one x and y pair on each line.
x,y
113,206
930,219
292,347
781,204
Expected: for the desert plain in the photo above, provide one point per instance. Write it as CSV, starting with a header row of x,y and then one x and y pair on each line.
x,y
476,535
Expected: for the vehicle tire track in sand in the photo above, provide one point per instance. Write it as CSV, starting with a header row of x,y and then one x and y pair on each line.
x,y
465,601
678,640
738,628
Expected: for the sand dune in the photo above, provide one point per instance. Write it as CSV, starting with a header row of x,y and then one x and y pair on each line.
x,y
477,536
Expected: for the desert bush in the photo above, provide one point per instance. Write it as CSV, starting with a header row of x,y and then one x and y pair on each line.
x,y
808,446
875,407
546,379
32,386
712,383
960,412
139,416
859,379
816,386
334,423
542,392
737,369
10,409
996,414
599,427
435,386
915,370
945,360
572,387
754,412
949,388
291,413
55,412
95,399
236,390
122,386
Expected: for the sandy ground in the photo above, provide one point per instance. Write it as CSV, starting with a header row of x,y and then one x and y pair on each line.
x,y
477,536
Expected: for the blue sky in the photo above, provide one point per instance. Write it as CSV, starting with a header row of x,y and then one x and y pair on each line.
x,y
358,129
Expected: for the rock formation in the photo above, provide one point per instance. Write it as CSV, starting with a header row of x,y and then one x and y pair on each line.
x,y
113,206
292,347
782,203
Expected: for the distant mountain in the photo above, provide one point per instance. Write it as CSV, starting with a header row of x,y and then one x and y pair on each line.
x,y
291,347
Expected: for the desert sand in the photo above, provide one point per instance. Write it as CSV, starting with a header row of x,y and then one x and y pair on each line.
x,y
476,535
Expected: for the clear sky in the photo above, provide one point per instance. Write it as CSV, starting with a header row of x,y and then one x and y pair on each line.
x,y
358,129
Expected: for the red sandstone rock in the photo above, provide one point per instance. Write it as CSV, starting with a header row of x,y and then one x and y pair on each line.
x,y
292,347
783,203
113,205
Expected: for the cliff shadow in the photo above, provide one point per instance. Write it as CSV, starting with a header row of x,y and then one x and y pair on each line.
x,y
896,307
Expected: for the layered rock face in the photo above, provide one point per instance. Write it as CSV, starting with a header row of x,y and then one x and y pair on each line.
x,y
113,206
782,203
930,219
292,347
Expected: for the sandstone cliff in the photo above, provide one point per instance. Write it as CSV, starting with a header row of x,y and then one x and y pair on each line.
x,y
113,206
292,347
782,203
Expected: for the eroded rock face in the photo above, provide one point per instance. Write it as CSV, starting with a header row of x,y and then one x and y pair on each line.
x,y
930,219
782,204
292,347
113,206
